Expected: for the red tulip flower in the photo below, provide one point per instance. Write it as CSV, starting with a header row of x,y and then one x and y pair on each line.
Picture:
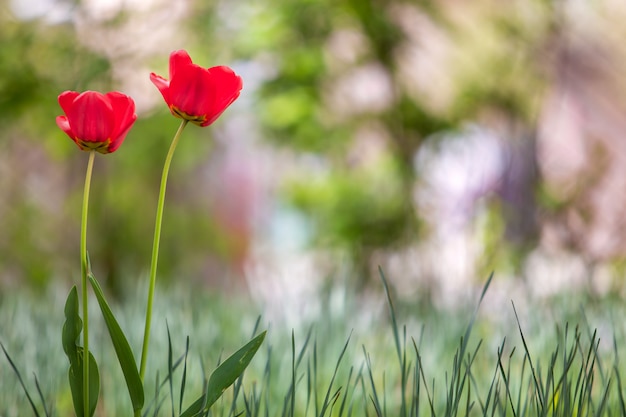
x,y
199,95
96,121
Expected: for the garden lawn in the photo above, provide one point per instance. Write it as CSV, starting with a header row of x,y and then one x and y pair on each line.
x,y
380,357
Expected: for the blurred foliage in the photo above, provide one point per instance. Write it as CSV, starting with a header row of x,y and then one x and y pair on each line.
x,y
496,74
43,174
357,211
334,79
36,63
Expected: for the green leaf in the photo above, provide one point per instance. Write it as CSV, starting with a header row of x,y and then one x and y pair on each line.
x,y
195,408
71,333
231,369
75,374
224,376
19,378
122,348
73,324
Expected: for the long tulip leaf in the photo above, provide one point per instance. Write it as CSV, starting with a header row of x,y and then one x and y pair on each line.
x,y
73,324
71,332
76,383
225,374
195,408
122,348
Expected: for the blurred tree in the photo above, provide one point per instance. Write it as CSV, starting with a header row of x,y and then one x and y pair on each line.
x,y
351,75
43,172
37,62
350,89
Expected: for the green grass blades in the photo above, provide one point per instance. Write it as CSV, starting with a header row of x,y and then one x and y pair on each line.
x,y
122,348
19,378
75,353
225,375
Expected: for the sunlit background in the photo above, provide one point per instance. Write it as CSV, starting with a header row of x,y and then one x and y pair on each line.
x,y
440,140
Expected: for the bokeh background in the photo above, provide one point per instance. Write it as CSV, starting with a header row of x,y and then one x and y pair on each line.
x,y
440,140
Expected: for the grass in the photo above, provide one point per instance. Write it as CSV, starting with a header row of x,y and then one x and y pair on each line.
x,y
357,360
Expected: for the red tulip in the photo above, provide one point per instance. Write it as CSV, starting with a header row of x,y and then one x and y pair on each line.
x,y
197,94
96,121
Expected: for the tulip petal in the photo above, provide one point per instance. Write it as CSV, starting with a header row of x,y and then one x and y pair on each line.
x,y
124,113
66,100
191,90
91,117
197,94
226,89
163,85
96,121
64,124
178,59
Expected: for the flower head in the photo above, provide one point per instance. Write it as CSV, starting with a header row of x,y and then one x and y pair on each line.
x,y
197,94
96,121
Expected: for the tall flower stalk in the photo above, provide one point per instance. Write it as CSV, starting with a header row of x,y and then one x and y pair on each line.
x,y
84,271
155,247
99,122
96,122
197,95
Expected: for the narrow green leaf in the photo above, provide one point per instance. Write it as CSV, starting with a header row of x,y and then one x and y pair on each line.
x,y
19,378
94,384
46,409
231,368
76,383
195,408
328,400
170,371
122,348
183,381
71,333
224,376
73,324
159,385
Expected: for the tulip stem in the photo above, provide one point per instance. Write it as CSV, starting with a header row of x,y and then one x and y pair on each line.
x,y
83,270
155,247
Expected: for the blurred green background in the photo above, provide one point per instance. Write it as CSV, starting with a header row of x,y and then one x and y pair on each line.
x,y
438,139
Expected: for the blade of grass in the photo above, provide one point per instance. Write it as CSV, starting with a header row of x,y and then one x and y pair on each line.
x,y
21,381
457,380
530,362
332,380
183,381
41,397
374,395
314,382
156,397
601,407
400,351
159,385
616,371
492,391
170,371
505,378
294,364
345,397
423,377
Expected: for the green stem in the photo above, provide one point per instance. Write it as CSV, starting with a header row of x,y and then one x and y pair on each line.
x,y
155,247
83,270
